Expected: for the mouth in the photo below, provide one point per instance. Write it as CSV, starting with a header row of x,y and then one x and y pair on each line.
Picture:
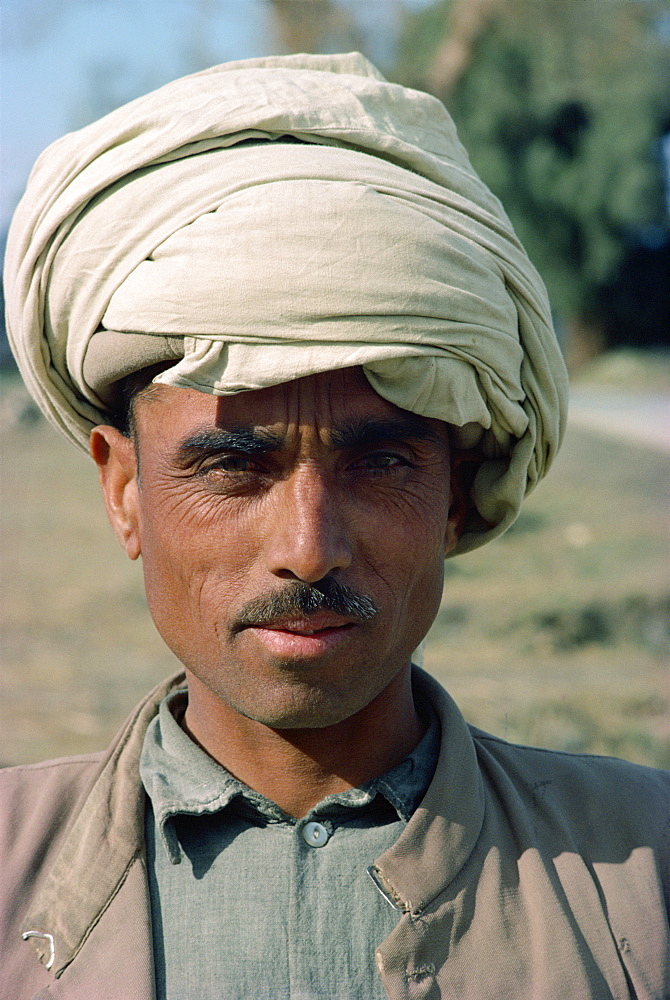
x,y
304,621
303,637
309,625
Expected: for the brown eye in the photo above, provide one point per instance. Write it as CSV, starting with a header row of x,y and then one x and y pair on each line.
x,y
233,463
380,462
230,465
383,461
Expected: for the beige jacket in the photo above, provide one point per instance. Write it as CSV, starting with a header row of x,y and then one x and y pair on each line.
x,y
524,875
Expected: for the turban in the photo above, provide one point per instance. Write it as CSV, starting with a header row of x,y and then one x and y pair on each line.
x,y
274,218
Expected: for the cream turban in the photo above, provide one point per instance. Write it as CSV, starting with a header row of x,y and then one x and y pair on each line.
x,y
270,219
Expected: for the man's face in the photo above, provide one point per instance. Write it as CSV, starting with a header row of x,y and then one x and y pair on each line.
x,y
241,497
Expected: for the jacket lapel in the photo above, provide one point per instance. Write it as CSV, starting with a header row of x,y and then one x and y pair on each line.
x,y
116,959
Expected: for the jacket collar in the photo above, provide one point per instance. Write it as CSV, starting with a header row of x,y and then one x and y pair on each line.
x,y
444,829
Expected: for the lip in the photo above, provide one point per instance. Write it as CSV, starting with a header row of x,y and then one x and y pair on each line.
x,y
318,622
303,637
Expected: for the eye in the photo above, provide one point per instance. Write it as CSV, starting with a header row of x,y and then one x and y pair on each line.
x,y
234,474
231,464
232,469
381,462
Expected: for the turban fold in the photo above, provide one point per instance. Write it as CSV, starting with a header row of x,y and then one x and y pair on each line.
x,y
270,219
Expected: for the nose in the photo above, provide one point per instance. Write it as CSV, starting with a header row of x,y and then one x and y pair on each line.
x,y
308,536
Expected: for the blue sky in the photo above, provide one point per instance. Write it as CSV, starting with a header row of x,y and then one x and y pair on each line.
x,y
64,61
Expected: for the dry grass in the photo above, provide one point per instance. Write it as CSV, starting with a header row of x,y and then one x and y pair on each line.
x,y
557,634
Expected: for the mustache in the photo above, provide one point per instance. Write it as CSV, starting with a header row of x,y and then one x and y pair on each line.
x,y
302,599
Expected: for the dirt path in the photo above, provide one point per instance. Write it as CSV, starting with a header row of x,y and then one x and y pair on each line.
x,y
640,417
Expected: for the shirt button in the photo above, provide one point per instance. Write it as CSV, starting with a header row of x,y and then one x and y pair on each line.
x,y
315,834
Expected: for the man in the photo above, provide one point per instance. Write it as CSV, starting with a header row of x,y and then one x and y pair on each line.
x,y
310,359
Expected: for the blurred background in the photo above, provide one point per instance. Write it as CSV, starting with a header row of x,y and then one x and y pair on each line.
x,y
558,633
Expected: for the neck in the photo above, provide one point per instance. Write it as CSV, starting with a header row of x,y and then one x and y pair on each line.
x,y
297,768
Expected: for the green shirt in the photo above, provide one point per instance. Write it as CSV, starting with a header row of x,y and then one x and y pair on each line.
x,y
247,901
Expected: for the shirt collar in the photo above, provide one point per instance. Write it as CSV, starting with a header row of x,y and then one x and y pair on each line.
x,y
180,778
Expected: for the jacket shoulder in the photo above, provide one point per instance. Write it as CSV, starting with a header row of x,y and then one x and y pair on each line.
x,y
48,790
37,804
585,795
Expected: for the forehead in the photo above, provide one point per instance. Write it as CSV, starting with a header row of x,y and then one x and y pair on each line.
x,y
325,400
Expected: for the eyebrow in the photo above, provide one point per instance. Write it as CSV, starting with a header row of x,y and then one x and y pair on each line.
x,y
363,432
249,440
349,435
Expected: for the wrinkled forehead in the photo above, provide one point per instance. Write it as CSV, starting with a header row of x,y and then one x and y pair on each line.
x,y
334,406
322,398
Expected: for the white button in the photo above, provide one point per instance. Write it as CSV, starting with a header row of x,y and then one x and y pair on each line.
x,y
315,834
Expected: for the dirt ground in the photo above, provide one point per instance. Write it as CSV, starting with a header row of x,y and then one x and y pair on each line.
x,y
556,634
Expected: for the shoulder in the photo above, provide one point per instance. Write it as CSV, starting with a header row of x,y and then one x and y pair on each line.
x,y
38,801
574,769
590,795
31,786
17,773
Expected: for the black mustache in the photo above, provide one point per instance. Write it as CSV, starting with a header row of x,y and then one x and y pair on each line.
x,y
306,599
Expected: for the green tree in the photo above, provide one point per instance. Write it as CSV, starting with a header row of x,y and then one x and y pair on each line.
x,y
561,106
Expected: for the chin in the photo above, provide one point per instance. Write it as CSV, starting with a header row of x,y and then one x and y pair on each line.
x,y
300,713
305,703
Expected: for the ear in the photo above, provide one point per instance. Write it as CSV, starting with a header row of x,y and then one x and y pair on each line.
x,y
461,478
116,458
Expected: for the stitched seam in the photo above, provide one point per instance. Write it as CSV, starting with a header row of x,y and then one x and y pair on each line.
x,y
50,764
480,737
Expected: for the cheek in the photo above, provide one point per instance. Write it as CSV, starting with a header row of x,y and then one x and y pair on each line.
x,y
405,560
421,602
425,580
194,570
407,535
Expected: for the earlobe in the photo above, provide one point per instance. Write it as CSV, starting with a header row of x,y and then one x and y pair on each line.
x,y
116,458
